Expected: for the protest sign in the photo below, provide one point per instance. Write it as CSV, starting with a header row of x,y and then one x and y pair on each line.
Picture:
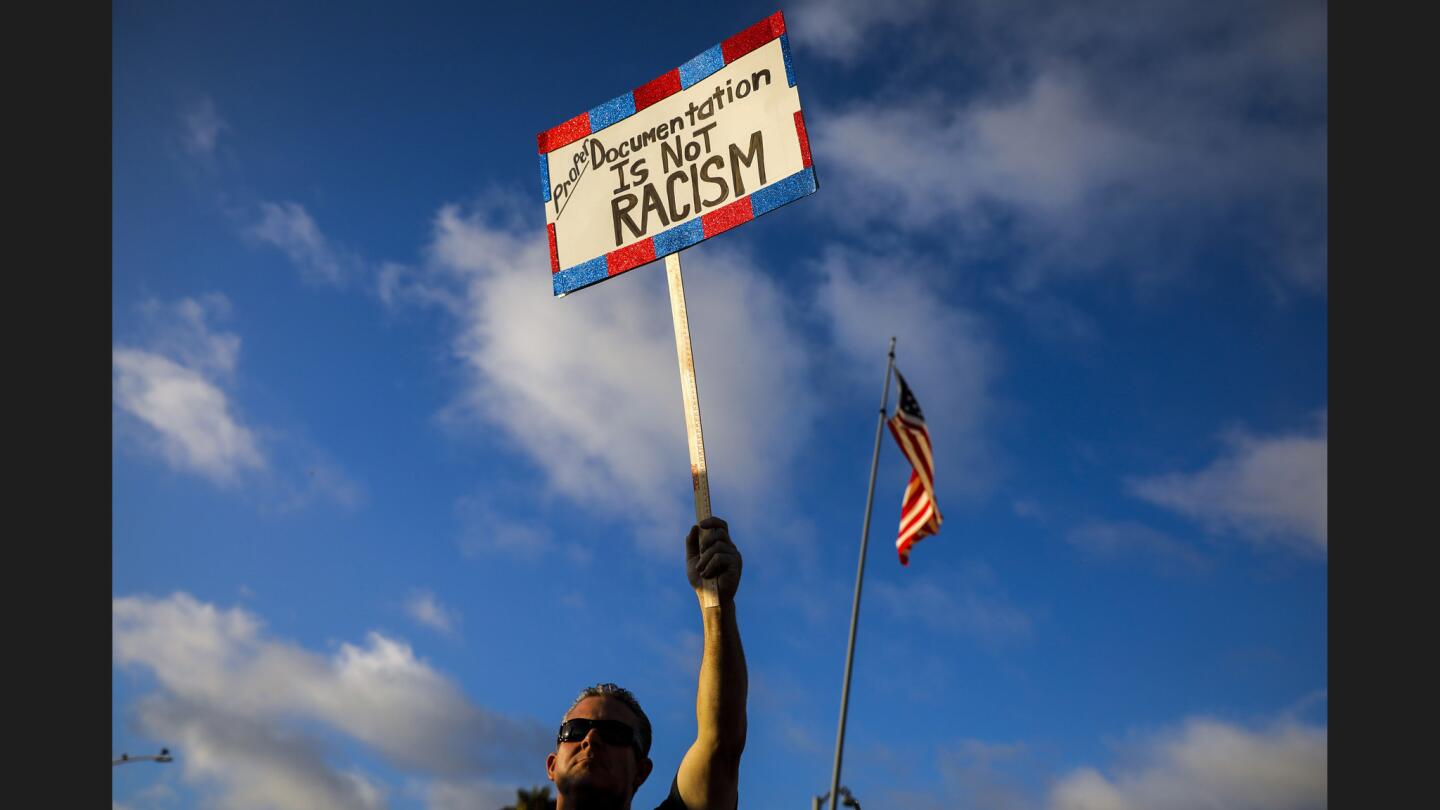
x,y
700,149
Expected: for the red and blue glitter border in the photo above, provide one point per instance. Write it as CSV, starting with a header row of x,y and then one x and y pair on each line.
x,y
762,201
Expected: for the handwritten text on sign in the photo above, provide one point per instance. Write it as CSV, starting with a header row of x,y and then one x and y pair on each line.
x,y
724,149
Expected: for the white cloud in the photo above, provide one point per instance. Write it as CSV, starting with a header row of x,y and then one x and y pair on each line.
x,y
1086,789
922,161
425,609
783,698
319,478
1271,490
290,228
678,652
969,601
942,348
475,794
172,388
485,529
1209,763
284,225
190,416
1103,538
202,126
151,797
1033,124
588,386
182,330
986,774
253,764
398,284
251,714
842,29
1199,764
1028,508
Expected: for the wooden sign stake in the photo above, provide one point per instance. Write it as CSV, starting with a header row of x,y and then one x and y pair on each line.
x,y
699,476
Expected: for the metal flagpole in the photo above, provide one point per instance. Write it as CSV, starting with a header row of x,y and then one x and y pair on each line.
x,y
859,578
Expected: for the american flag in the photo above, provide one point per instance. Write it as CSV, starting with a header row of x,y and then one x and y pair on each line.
x,y
919,517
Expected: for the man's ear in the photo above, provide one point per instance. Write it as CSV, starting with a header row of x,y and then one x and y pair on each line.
x,y
642,772
550,766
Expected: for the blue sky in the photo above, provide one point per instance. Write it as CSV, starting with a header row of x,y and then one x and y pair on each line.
x,y
381,505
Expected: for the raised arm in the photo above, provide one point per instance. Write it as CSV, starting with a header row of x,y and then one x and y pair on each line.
x,y
709,775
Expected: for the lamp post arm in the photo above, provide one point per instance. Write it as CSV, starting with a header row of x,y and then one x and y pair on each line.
x,y
163,756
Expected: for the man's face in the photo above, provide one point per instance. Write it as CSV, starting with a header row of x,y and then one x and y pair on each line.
x,y
591,765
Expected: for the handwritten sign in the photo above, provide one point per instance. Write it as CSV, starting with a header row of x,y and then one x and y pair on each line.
x,y
703,148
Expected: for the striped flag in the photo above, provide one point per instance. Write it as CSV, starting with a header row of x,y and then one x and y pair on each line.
x,y
919,517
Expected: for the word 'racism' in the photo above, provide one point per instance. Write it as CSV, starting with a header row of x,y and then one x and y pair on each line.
x,y
698,173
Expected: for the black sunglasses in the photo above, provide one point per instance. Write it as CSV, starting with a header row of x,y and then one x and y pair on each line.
x,y
612,732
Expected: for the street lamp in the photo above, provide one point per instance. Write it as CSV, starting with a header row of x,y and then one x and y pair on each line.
x,y
163,756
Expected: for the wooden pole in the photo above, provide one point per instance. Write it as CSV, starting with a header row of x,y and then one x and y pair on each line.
x,y
699,476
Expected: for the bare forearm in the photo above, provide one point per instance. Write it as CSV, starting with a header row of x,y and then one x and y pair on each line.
x,y
709,776
724,684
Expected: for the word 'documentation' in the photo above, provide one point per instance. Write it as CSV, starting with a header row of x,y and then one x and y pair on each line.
x,y
681,163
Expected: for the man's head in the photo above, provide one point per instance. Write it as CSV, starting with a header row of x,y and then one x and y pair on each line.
x,y
602,749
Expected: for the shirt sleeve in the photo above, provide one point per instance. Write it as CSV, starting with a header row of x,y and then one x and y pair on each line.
x,y
674,802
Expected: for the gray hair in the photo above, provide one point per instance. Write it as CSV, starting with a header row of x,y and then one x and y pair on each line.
x,y
623,695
